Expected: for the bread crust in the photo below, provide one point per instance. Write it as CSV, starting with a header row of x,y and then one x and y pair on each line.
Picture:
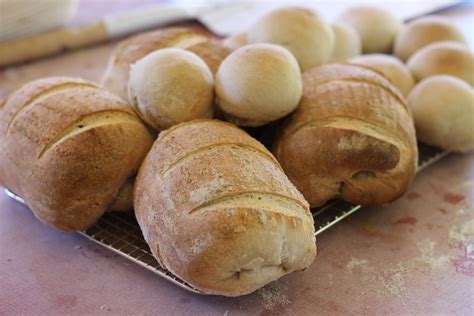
x,y
352,136
217,210
67,148
129,51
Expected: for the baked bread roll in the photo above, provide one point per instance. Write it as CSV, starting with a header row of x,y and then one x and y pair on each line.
x,y
257,84
171,86
71,150
212,52
235,41
443,109
136,47
217,210
443,58
423,31
302,31
377,27
390,67
346,42
352,136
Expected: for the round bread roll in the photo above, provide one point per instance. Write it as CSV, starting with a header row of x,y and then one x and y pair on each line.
x,y
257,84
218,211
424,31
136,47
235,41
302,31
390,67
351,137
448,58
346,42
443,109
377,28
212,52
71,150
171,86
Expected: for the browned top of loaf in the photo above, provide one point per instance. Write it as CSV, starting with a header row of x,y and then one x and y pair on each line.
x,y
68,146
138,46
212,52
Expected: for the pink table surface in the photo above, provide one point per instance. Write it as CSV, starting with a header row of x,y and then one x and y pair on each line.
x,y
414,256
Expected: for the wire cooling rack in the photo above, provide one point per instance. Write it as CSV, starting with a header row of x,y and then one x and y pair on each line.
x,y
120,232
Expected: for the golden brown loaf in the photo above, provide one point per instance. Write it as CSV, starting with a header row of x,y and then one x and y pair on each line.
x,y
70,149
346,42
377,27
443,109
352,136
212,52
390,67
443,58
424,31
302,31
171,86
257,84
136,47
217,210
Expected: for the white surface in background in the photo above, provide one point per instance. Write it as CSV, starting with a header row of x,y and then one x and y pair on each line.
x,y
229,20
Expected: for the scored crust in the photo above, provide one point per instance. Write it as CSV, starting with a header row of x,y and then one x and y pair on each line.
x,y
352,136
218,211
67,148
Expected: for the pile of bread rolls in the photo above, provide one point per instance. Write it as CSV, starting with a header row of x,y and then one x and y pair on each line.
x,y
216,207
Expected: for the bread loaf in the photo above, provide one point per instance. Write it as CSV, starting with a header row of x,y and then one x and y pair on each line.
x,y
128,52
71,150
390,67
352,136
443,109
212,52
377,27
257,84
302,31
443,58
424,31
171,86
217,210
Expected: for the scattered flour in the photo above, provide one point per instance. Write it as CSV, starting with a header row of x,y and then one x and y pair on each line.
x,y
274,295
426,248
461,233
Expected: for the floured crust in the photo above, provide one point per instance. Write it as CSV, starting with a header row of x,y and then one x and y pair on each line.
x,y
352,136
136,47
218,211
212,52
67,148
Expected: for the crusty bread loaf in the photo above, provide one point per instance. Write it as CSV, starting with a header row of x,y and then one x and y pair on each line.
x,y
257,84
171,86
70,149
443,109
424,31
128,52
217,210
302,31
347,42
352,136
443,58
212,52
390,67
377,27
